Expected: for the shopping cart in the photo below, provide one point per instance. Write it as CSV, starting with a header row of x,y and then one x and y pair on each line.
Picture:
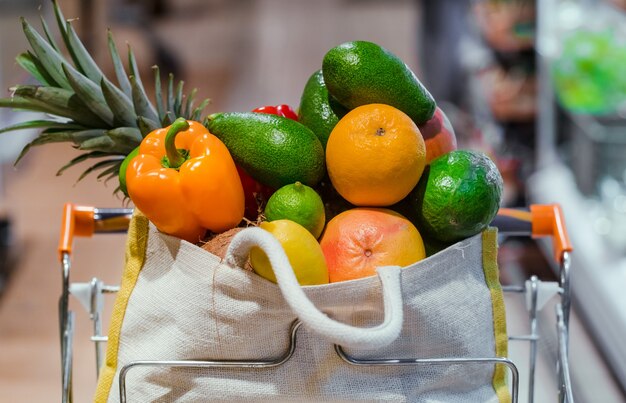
x,y
538,221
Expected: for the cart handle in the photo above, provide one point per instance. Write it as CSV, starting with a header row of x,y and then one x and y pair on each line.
x,y
543,220
548,220
539,221
84,221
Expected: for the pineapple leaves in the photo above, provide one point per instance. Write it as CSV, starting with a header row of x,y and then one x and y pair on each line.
x,y
197,113
31,64
178,99
82,158
158,93
36,124
146,125
189,103
50,59
120,73
108,120
83,59
100,165
142,105
120,104
51,135
126,138
43,138
49,37
170,94
57,101
89,93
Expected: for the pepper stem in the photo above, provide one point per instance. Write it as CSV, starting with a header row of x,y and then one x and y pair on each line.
x,y
174,156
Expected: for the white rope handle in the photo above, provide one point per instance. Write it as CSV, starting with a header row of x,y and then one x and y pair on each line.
x,y
335,332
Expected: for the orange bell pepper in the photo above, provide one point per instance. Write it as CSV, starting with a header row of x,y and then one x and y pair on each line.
x,y
185,181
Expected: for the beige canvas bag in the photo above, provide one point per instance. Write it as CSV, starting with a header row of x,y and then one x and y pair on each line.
x,y
179,302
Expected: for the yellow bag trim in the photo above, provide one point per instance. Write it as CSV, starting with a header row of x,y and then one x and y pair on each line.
x,y
492,278
135,257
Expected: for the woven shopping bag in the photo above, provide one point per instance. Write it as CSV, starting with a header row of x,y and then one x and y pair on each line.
x,y
180,302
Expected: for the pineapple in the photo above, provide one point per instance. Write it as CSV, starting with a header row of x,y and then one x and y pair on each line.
x,y
85,107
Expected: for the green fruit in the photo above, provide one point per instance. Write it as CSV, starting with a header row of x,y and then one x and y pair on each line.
x,y
319,111
123,168
457,196
273,150
298,203
359,73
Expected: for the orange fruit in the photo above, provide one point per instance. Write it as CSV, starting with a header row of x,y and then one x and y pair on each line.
x,y
359,240
375,155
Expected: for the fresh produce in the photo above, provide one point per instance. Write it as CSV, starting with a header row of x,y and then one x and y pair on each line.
x,y
255,193
298,203
280,110
368,135
123,168
457,196
217,244
438,135
273,150
375,155
359,240
304,253
319,111
104,120
185,181
359,73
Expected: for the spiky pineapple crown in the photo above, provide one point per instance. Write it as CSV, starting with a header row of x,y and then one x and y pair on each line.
x,y
98,117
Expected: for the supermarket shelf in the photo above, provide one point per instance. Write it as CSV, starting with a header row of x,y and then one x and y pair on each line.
x,y
598,271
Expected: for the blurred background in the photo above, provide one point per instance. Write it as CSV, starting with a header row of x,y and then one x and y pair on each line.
x,y
538,85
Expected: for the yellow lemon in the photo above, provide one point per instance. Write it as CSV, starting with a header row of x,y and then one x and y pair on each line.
x,y
302,249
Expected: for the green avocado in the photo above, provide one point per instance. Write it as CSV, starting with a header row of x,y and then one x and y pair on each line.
x,y
319,111
360,73
274,150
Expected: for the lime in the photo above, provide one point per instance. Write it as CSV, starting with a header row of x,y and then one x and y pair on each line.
x,y
457,196
302,249
300,203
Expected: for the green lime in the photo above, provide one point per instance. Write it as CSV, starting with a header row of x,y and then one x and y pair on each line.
x,y
457,196
300,203
123,168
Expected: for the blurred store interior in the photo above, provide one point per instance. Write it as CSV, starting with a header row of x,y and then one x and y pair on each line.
x,y
539,86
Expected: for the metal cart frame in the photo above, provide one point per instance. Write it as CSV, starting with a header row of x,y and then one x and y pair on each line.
x,y
538,221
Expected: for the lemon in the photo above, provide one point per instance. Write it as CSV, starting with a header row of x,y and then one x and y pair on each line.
x,y
302,249
300,203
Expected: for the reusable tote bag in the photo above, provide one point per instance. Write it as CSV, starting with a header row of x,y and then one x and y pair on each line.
x,y
179,302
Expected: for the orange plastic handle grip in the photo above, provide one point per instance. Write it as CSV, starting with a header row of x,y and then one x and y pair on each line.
x,y
76,221
548,220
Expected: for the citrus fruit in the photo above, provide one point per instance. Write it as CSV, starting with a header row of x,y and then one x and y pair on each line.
x,y
299,203
457,196
302,249
359,240
375,155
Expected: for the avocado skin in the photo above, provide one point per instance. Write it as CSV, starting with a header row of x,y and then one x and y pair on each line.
x,y
274,150
360,73
319,111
